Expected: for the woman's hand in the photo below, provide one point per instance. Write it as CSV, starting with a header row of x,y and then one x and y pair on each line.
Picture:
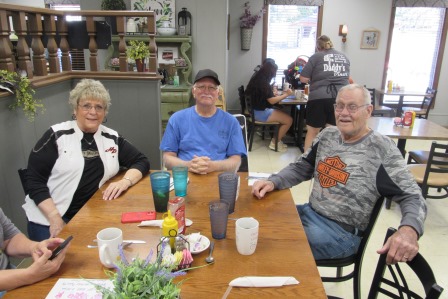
x,y
116,188
56,225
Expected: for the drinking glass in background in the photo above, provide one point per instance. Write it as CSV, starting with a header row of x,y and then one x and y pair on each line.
x,y
180,179
229,183
160,185
219,213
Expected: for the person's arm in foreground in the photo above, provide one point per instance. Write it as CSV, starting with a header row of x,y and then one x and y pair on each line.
x,y
20,246
202,165
403,245
137,164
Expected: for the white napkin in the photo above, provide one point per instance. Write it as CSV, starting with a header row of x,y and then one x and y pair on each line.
x,y
158,223
263,281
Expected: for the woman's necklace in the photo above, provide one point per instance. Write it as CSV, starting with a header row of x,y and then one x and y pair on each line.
x,y
85,139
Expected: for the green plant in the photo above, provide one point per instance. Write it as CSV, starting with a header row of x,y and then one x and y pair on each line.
x,y
137,50
21,86
113,5
143,279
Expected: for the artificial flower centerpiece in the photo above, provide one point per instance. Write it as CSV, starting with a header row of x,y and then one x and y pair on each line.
x,y
247,20
143,278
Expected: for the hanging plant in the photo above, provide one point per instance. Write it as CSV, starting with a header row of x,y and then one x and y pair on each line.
x,y
20,86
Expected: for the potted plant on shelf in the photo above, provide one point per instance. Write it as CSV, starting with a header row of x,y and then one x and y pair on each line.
x,y
113,5
19,85
138,51
247,22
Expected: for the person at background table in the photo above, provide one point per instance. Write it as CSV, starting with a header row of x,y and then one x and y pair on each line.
x,y
75,158
203,137
353,166
15,244
326,71
264,98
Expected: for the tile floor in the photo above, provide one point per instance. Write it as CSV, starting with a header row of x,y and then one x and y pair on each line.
x,y
433,245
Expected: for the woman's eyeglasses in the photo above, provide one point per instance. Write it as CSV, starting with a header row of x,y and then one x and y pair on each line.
x,y
88,107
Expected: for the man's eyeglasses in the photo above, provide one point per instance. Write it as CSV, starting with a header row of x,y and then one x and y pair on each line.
x,y
352,108
203,88
88,107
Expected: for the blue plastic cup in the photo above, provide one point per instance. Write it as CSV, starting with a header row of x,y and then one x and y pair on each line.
x,y
180,178
160,185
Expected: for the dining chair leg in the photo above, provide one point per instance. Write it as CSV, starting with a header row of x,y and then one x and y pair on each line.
x,y
251,137
388,203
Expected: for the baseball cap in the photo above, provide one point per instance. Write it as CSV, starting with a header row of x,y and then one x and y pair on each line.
x,y
207,73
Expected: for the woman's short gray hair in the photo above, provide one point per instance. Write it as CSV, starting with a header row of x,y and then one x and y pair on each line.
x,y
365,93
88,88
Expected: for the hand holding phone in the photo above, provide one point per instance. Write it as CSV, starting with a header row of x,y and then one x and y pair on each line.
x,y
60,248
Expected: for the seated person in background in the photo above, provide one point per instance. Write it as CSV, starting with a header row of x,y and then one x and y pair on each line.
x,y
75,158
15,244
263,99
339,209
203,137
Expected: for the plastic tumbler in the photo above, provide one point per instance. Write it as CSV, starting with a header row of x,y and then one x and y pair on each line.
x,y
219,212
180,178
160,185
228,188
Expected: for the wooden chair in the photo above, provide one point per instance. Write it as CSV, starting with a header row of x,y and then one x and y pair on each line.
x,y
423,111
379,110
355,259
244,167
433,174
397,287
269,127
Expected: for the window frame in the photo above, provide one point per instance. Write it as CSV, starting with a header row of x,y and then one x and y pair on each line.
x,y
438,61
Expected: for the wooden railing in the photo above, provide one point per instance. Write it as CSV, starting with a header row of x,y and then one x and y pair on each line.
x,y
37,22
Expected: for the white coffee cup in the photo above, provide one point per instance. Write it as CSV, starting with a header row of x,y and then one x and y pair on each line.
x,y
108,241
246,231
286,86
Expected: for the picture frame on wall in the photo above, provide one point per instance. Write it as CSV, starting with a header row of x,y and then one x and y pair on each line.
x,y
370,39
167,55
163,9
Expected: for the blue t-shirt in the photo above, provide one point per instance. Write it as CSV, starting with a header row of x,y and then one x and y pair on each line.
x,y
189,134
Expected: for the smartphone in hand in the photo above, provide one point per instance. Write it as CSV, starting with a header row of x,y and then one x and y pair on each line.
x,y
60,248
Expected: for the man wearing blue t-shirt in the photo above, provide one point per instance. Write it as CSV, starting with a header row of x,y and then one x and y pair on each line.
x,y
203,137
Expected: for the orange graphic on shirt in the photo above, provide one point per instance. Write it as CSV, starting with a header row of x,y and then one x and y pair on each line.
x,y
331,172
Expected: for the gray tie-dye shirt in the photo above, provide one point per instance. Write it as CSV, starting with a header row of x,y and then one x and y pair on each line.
x,y
350,177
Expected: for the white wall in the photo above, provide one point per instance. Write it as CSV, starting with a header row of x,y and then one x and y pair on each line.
x,y
35,3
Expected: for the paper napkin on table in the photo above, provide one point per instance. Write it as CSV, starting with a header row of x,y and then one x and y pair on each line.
x,y
158,223
254,176
263,281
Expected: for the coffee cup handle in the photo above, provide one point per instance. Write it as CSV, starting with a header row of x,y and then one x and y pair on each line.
x,y
105,256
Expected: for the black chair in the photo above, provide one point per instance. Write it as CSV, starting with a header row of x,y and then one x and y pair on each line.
x,y
425,107
244,167
22,175
379,110
397,287
356,259
269,127
433,174
243,101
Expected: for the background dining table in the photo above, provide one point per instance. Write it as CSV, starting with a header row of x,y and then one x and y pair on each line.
x,y
298,107
422,129
282,249
401,94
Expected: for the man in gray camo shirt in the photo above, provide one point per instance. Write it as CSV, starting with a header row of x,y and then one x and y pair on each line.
x,y
352,166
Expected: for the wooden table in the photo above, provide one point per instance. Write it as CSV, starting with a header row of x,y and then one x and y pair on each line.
x,y
282,248
401,94
423,129
298,113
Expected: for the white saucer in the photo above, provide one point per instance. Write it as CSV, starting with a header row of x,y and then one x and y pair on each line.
x,y
198,247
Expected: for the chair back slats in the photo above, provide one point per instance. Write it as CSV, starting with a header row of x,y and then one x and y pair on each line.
x,y
427,103
397,287
437,163
244,167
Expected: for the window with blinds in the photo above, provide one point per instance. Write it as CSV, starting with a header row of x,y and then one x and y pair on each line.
x,y
291,33
414,49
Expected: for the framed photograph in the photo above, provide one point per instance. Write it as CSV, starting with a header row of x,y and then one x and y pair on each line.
x,y
370,39
163,9
167,55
